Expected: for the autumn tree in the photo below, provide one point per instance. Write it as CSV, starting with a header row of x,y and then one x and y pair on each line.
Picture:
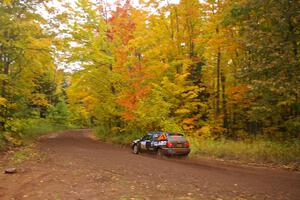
x,y
30,80
268,32
25,55
229,67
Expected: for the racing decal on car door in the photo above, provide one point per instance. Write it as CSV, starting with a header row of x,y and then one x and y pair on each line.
x,y
143,144
159,143
162,137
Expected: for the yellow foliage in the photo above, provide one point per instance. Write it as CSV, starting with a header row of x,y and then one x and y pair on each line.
x,y
6,2
12,140
3,101
39,99
189,120
188,127
41,43
205,130
116,129
182,111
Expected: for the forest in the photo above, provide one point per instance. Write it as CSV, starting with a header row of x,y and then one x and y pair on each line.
x,y
226,73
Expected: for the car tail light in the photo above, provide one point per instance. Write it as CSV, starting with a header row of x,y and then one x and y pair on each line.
x,y
169,144
187,145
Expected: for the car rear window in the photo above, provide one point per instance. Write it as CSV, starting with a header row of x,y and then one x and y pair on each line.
x,y
176,137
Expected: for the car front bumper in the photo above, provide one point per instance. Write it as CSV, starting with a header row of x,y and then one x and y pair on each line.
x,y
176,151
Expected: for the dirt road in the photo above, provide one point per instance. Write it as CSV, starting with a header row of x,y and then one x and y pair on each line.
x,y
71,166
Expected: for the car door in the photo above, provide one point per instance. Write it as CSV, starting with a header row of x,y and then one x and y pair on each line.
x,y
153,142
145,143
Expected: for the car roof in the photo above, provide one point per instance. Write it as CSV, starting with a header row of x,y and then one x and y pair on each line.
x,y
161,132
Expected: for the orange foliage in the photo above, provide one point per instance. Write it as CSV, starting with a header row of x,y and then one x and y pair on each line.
x,y
130,101
121,24
189,120
237,95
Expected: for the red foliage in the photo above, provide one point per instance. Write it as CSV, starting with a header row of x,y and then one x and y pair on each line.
x,y
121,32
131,99
121,24
238,95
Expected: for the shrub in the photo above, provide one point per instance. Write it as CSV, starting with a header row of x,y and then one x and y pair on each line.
x,y
251,150
59,113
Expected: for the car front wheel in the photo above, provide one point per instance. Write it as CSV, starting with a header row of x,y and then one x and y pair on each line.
x,y
135,149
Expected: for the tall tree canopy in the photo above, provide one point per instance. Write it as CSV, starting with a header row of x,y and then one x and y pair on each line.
x,y
217,67
230,67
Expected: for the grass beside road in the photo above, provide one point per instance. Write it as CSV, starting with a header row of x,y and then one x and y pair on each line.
x,y
260,151
26,131
37,128
115,137
256,151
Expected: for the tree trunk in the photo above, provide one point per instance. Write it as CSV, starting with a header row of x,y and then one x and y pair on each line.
x,y
224,102
113,89
292,32
177,29
6,72
191,53
218,79
218,83
4,91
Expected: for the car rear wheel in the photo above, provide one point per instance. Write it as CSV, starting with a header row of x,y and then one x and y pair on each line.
x,y
160,153
136,149
183,156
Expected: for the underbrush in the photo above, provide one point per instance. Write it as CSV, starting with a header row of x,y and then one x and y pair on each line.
x,y
251,151
37,127
25,131
22,154
255,150
116,136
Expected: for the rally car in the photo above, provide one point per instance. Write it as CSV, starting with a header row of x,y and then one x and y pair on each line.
x,y
162,143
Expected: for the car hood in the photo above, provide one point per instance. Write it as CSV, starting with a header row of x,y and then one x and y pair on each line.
x,y
135,141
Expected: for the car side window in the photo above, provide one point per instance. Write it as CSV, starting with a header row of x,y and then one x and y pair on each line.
x,y
147,137
154,137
